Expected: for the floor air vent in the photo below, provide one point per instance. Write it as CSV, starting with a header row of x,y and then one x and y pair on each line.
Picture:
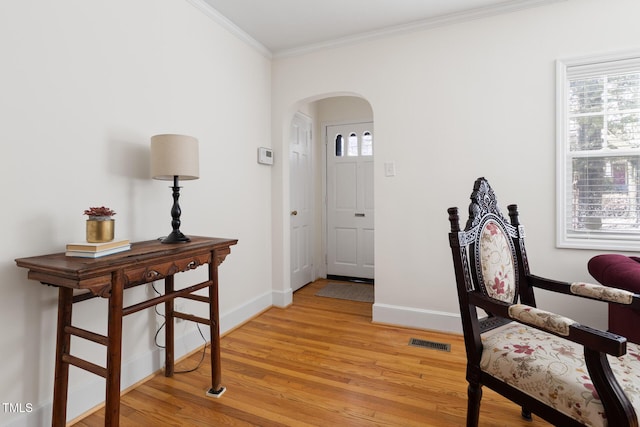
x,y
430,344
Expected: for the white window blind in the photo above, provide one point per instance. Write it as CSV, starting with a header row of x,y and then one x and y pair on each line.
x,y
599,153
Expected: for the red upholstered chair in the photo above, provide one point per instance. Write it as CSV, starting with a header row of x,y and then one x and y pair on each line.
x,y
623,272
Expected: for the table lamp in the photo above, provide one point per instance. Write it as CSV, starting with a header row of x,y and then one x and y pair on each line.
x,y
174,157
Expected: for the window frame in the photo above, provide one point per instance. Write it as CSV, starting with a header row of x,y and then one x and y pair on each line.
x,y
586,65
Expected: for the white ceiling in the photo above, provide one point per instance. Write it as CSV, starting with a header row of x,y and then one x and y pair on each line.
x,y
288,26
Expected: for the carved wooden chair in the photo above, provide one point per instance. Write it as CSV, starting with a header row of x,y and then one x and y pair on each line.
x,y
567,373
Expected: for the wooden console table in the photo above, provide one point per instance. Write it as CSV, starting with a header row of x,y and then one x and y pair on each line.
x,y
108,277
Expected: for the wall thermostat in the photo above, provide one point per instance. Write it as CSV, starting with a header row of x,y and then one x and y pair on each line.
x,y
265,156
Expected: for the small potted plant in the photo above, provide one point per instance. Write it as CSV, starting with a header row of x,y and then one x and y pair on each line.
x,y
100,225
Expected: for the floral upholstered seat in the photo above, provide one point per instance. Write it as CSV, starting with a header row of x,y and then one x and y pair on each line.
x,y
567,373
553,370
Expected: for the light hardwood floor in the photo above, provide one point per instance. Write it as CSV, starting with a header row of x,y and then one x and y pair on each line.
x,y
319,362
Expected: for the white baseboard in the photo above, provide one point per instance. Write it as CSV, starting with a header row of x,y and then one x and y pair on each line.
x,y
242,313
417,318
283,298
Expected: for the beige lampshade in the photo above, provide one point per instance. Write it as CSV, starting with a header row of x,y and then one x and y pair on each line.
x,y
174,155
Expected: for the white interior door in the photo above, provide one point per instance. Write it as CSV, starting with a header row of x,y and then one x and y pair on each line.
x,y
350,209
301,199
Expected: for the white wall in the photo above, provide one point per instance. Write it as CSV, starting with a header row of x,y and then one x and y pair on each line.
x,y
343,108
452,104
83,87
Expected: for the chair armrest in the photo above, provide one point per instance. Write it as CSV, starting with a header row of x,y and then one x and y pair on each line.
x,y
616,270
556,324
602,293
588,290
591,338
541,319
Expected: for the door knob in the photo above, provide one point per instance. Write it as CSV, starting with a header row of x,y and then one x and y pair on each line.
x,y
294,213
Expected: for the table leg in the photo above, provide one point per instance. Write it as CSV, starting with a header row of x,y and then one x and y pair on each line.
x,y
168,329
63,344
214,323
114,351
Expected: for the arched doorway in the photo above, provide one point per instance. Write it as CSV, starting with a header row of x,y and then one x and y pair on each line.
x,y
327,113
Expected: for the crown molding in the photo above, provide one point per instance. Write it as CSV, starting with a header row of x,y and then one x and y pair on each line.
x,y
426,24
216,16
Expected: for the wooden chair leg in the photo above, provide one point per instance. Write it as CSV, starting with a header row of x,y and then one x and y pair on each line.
x,y
474,394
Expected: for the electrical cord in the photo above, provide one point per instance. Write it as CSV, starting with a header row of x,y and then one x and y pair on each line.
x,y
204,352
164,322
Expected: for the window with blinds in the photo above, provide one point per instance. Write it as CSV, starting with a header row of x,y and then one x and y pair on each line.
x,y
599,153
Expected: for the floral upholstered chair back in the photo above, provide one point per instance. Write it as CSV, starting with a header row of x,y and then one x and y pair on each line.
x,y
494,256
492,250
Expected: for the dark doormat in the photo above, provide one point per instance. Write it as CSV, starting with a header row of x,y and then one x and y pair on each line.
x,y
350,291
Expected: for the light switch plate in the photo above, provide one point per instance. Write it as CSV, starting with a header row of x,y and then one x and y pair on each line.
x,y
389,169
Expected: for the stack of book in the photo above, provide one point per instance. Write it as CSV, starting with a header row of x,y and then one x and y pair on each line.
x,y
97,250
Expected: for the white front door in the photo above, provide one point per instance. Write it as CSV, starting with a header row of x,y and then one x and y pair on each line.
x,y
350,208
301,199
